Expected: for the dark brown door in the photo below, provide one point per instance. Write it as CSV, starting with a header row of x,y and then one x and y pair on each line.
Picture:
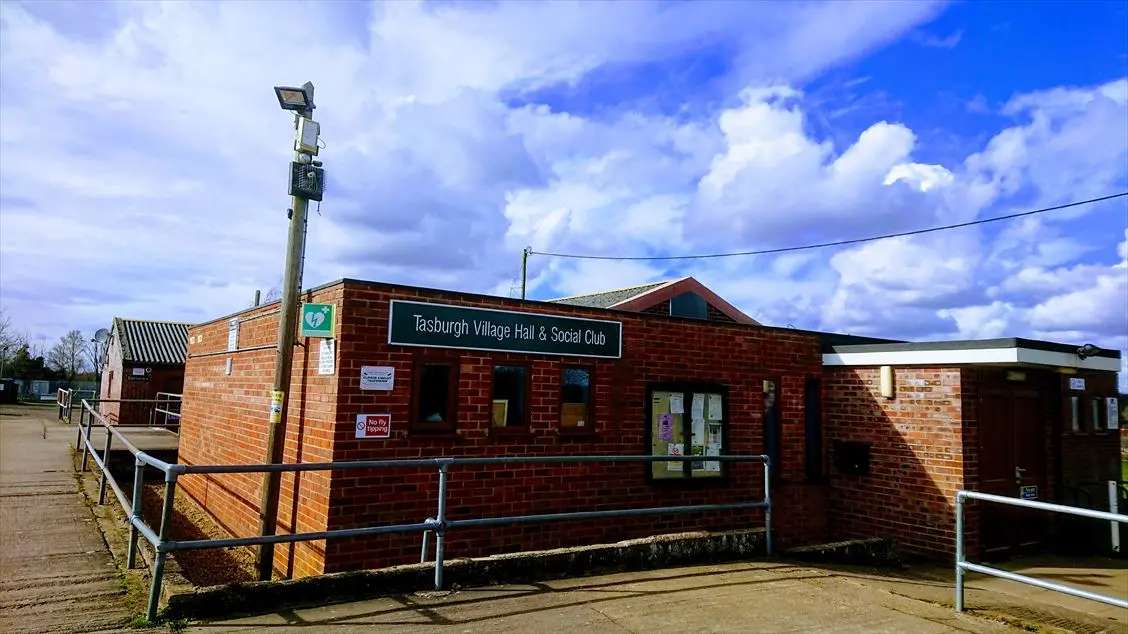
x,y
1012,436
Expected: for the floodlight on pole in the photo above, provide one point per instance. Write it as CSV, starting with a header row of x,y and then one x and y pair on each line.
x,y
297,99
307,179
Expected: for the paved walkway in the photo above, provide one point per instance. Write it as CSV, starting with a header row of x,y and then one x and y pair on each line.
x,y
55,572
743,597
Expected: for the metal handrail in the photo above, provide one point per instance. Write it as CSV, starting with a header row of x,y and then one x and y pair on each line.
x,y
438,525
168,399
962,565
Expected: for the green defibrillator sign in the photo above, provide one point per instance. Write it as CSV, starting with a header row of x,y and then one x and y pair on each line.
x,y
317,321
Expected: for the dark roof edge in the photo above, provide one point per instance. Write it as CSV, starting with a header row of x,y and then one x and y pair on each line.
x,y
969,344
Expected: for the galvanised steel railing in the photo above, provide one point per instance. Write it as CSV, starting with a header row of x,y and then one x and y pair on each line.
x,y
962,565
65,399
439,525
168,405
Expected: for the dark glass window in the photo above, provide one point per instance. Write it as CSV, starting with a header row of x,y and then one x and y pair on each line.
x,y
689,305
510,398
435,386
575,399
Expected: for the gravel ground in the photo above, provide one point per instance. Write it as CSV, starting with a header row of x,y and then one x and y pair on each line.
x,y
209,567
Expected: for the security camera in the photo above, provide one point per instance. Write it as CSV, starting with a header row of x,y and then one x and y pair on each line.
x,y
1088,350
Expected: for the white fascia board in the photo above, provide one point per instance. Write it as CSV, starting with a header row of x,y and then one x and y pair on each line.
x,y
972,356
923,357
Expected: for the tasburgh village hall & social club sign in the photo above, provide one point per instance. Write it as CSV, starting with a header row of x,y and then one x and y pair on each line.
x,y
443,326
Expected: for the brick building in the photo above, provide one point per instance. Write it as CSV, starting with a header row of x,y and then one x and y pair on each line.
x,y
142,358
857,450
1005,416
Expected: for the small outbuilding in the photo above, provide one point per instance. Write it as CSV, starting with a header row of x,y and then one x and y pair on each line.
x,y
143,358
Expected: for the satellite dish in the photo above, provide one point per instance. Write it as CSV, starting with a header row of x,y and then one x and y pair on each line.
x,y
102,336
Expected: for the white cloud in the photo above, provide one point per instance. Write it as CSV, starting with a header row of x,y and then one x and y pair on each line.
x,y
145,158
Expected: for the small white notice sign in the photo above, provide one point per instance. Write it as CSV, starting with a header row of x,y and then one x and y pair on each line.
x,y
1113,405
326,357
677,404
377,377
697,410
233,334
715,407
675,449
1077,384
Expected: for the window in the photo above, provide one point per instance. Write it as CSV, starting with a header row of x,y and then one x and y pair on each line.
x,y
687,419
689,305
510,396
1075,414
772,425
812,409
575,399
1097,405
435,395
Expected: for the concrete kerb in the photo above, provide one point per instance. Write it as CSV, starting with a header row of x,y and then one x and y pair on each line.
x,y
637,554
878,552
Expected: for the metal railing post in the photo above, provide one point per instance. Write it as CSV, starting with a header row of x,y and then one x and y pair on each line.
x,y
138,493
84,433
959,553
81,416
426,538
162,553
440,530
768,508
105,468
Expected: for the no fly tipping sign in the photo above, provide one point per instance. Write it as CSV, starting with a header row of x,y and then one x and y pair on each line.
x,y
317,320
373,425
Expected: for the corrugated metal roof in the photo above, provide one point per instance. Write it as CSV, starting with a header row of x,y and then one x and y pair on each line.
x,y
608,298
156,342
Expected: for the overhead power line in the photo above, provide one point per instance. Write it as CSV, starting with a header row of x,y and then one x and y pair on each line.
x,y
838,243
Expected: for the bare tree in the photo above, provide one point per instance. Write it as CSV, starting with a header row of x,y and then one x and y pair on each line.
x,y
68,355
7,344
96,354
274,294
11,340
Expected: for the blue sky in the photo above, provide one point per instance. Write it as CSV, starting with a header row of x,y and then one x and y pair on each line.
x,y
145,156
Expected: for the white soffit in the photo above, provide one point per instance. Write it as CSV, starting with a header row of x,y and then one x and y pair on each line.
x,y
971,356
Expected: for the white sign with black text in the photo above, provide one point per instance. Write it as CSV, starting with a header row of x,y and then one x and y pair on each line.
x,y
377,377
326,357
1077,385
233,334
1113,405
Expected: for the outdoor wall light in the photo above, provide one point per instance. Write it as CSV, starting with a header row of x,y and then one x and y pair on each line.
x,y
298,99
1088,350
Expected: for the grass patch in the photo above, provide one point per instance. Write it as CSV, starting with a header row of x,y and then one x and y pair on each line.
x,y
1124,470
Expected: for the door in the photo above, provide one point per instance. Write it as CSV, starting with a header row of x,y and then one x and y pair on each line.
x,y
1012,436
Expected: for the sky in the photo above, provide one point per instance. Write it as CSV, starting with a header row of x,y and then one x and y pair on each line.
x,y
144,156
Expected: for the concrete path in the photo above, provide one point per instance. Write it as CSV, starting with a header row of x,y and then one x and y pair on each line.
x,y
55,572
744,597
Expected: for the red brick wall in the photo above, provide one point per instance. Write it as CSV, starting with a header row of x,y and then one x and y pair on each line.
x,y
655,349
225,420
916,462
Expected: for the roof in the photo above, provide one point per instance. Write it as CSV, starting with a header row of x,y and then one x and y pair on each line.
x,y
1001,352
607,299
639,298
155,342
